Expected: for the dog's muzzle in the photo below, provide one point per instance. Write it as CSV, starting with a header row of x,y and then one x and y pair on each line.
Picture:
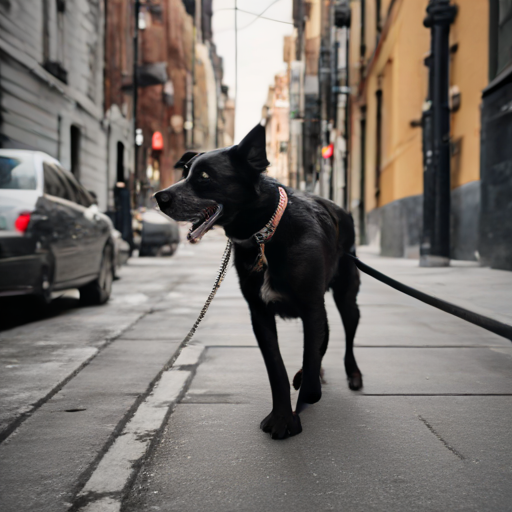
x,y
207,219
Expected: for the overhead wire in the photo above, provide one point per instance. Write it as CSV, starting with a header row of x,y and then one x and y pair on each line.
x,y
258,16
236,60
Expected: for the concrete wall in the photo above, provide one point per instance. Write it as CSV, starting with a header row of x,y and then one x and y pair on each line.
x,y
465,206
396,227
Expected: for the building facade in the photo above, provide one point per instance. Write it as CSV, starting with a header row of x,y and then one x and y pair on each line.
x,y
390,49
276,112
360,104
51,83
66,88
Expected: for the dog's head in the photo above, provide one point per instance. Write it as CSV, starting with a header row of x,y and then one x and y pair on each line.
x,y
216,185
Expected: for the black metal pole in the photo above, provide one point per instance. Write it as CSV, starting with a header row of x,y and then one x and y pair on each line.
x,y
440,15
347,120
362,183
428,172
135,98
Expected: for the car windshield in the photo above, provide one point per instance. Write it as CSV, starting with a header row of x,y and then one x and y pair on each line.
x,y
17,173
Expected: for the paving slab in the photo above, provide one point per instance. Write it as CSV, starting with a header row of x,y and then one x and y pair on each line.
x,y
429,430
46,459
356,452
465,283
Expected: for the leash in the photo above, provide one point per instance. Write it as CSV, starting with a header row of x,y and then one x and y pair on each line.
x,y
261,238
221,274
485,322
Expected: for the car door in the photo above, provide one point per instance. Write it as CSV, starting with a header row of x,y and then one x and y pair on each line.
x,y
63,221
91,229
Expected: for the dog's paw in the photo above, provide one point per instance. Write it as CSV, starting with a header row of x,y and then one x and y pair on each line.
x,y
310,392
355,381
281,427
297,380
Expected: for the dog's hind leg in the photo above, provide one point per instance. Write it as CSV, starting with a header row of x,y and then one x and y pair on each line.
x,y
345,288
316,336
282,421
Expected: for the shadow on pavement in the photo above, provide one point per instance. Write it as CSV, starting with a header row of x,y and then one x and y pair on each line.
x,y
17,311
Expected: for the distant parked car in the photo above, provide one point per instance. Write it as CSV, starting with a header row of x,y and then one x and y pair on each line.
x,y
160,236
52,235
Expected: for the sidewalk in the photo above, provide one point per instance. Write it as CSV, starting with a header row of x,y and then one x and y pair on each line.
x,y
429,431
464,283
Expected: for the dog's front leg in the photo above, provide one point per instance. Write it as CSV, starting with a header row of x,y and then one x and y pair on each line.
x,y
314,320
282,421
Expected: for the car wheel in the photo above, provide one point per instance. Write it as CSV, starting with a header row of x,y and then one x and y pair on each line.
x,y
98,292
43,295
174,247
167,250
148,250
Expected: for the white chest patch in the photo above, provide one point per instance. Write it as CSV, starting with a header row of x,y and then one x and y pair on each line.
x,y
267,293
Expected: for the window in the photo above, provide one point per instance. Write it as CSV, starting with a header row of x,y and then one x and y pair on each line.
x,y
378,150
362,48
54,184
75,151
378,27
17,173
46,31
120,162
53,43
78,193
500,36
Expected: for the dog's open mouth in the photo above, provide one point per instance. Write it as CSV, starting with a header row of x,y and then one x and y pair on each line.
x,y
206,221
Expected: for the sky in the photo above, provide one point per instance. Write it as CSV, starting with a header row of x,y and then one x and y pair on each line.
x,y
260,53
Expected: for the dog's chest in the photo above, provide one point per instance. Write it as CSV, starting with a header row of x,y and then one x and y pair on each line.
x,y
267,292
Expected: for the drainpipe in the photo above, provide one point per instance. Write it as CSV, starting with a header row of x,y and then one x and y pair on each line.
x,y
135,98
435,247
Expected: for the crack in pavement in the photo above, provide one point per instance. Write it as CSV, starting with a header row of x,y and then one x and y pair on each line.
x,y
19,420
11,427
446,445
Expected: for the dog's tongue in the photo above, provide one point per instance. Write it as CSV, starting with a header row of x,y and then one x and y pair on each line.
x,y
195,236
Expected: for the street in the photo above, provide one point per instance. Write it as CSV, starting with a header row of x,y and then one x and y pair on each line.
x,y
96,414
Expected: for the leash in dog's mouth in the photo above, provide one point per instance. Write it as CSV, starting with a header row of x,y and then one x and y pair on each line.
x,y
207,219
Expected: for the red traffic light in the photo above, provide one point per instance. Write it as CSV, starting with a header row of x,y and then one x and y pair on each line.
x,y
327,151
157,142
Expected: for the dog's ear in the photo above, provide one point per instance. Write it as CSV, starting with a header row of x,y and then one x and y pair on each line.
x,y
185,159
253,150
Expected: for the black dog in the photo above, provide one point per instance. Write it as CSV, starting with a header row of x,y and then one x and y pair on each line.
x,y
286,256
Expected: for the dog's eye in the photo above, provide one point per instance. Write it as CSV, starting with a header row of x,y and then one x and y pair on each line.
x,y
205,176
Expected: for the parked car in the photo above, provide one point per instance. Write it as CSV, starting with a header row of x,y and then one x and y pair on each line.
x,y
159,235
52,234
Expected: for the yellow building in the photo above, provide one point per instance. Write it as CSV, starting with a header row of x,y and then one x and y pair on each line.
x,y
276,112
389,87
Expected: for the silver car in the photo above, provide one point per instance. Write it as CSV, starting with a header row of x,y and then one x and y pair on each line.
x,y
52,235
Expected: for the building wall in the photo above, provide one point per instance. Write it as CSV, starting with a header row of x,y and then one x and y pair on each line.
x,y
276,112
469,71
118,104
395,67
37,108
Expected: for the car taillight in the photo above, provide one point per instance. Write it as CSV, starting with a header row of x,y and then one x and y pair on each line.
x,y
21,223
